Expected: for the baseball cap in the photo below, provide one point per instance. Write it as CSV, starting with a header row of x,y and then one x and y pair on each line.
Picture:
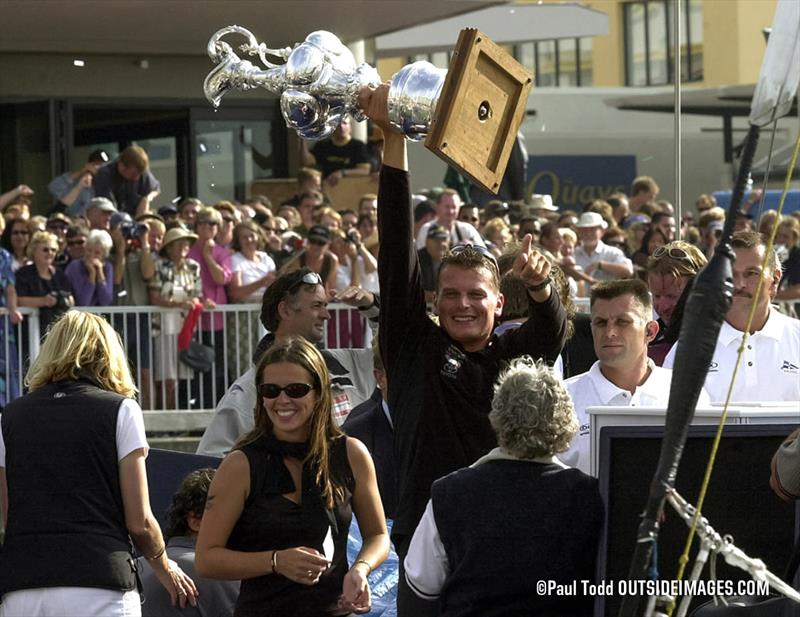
x,y
168,210
319,233
98,156
103,203
437,232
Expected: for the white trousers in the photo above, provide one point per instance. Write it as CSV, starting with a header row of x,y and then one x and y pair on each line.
x,y
70,602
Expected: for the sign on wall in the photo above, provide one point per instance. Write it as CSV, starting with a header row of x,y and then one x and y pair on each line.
x,y
574,181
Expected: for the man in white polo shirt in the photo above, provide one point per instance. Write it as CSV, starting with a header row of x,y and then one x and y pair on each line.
x,y
622,328
598,260
446,211
770,367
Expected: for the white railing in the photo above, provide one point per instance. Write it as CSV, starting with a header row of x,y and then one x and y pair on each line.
x,y
149,335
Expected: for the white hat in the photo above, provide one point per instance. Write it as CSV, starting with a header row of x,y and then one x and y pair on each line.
x,y
591,219
103,203
542,202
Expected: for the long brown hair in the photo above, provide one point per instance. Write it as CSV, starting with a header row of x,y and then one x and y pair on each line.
x,y
322,430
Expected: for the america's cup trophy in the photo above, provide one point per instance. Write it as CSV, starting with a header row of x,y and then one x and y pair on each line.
x,y
468,115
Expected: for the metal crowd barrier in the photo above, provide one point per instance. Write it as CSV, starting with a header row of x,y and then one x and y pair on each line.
x,y
149,335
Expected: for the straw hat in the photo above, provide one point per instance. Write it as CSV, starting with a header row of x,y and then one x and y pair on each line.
x,y
173,235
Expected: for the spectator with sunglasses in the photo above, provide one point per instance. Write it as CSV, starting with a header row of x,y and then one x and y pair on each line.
x,y
40,284
15,239
317,256
279,508
441,376
296,305
670,271
230,217
215,272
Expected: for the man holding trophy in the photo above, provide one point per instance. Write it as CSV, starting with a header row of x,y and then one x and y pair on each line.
x,y
440,378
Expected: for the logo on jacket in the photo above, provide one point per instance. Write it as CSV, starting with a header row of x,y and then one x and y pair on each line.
x,y
788,367
713,367
453,359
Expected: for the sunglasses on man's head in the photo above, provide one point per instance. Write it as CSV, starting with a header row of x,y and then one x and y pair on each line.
x,y
293,390
675,253
309,278
477,248
76,242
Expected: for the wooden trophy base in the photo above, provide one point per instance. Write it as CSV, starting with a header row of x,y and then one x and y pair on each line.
x,y
480,109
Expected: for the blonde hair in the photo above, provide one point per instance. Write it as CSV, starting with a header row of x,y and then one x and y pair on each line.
x,y
209,214
322,429
81,344
41,237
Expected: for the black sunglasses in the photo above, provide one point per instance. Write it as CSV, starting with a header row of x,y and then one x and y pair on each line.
x,y
293,390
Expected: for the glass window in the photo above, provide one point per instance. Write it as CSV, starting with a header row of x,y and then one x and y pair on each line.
x,y
586,77
525,55
546,53
440,59
567,62
695,14
649,32
229,156
635,45
657,43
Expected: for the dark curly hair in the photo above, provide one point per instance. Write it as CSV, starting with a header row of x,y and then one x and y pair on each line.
x,y
189,500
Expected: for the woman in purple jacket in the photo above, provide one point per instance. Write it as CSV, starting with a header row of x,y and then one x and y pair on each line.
x,y
92,277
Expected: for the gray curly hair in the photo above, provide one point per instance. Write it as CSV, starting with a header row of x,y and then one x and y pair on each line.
x,y
532,412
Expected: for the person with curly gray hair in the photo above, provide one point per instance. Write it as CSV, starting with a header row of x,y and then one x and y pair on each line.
x,y
518,495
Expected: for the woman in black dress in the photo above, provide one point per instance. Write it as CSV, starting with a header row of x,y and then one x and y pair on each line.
x,y
279,508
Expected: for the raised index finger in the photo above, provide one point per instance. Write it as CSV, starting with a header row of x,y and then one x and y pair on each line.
x,y
526,243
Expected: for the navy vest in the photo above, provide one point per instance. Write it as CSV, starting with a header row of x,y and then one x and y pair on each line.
x,y
506,524
66,523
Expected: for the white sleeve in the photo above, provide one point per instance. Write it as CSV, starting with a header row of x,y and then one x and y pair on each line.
x,y
476,236
669,360
130,429
426,564
2,449
422,235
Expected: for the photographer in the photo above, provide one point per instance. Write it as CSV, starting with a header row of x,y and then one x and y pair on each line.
x,y
40,284
138,243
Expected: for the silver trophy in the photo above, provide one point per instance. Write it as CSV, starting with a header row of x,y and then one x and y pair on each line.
x,y
319,82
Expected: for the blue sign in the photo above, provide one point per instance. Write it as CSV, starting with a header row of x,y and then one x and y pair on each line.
x,y
771,200
576,180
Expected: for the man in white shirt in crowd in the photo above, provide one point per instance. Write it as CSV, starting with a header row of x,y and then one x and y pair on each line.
x,y
622,328
770,366
598,260
446,212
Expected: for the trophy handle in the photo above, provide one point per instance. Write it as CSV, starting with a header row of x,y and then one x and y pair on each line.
x,y
232,72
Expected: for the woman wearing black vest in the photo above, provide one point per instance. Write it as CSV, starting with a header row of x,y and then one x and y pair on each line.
x,y
73,483
279,508
515,517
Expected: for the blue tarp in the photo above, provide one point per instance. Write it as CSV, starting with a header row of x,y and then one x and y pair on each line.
x,y
383,581
791,204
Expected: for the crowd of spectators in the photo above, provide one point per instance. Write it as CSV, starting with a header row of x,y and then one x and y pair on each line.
x,y
107,241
